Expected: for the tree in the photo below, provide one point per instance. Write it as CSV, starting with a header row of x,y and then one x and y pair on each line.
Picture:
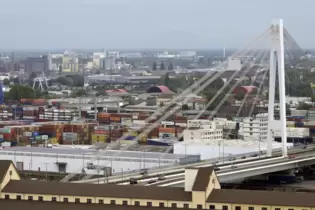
x,y
20,91
60,70
78,93
162,104
78,80
162,66
6,82
170,66
185,107
167,80
154,67
239,95
65,81
210,94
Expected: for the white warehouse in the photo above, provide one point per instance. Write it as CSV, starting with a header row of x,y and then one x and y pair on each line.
x,y
71,160
222,148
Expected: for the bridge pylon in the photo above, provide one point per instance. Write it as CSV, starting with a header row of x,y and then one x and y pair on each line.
x,y
277,68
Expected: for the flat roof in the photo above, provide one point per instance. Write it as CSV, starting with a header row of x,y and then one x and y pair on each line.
x,y
101,153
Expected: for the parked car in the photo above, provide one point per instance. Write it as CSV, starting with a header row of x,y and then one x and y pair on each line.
x,y
133,181
231,158
144,171
161,177
233,166
151,181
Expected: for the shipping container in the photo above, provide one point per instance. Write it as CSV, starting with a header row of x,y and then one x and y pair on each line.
x,y
299,124
126,121
102,132
99,138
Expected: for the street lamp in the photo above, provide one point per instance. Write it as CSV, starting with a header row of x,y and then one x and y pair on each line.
x,y
122,174
46,171
219,146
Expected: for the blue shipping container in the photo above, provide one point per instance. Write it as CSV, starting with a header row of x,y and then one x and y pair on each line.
x,y
299,124
35,133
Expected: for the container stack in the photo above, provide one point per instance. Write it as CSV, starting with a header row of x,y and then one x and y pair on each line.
x,y
296,118
166,132
115,133
103,118
100,134
290,124
181,121
7,134
154,133
126,120
311,114
311,126
299,124
54,132
302,113
57,114
115,119
294,132
17,113
130,134
6,114
77,133
20,134
39,102
26,101
30,113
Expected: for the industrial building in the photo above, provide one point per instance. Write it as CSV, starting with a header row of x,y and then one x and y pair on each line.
x,y
219,149
69,160
202,191
38,64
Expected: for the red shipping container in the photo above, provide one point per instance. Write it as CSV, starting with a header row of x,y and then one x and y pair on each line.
x,y
101,132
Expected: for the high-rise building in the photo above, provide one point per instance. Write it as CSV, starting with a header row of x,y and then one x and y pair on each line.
x,y
108,63
97,58
38,64
70,62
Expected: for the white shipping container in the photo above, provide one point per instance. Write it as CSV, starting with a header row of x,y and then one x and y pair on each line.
x,y
29,134
69,136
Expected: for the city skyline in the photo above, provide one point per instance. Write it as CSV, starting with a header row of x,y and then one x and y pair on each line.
x,y
126,24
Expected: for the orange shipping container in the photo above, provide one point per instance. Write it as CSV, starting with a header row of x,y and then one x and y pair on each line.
x,y
103,115
116,119
167,130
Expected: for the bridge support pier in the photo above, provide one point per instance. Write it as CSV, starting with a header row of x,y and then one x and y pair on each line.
x,y
277,68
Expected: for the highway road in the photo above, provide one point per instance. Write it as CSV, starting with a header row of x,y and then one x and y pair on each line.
x,y
172,169
227,170
178,172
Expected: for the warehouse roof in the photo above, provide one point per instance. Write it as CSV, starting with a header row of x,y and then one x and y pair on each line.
x,y
102,190
4,166
37,205
202,179
255,197
104,153
159,89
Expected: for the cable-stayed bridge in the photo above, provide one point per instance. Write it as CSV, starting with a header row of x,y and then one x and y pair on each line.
x,y
270,47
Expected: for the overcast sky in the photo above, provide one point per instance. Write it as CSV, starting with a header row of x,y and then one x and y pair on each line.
x,y
51,24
